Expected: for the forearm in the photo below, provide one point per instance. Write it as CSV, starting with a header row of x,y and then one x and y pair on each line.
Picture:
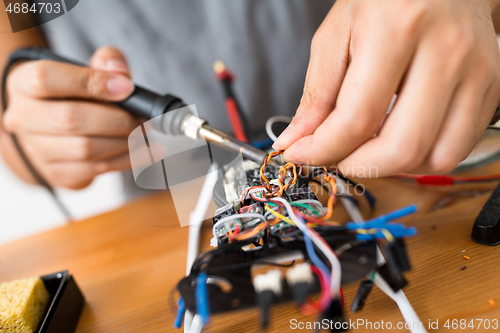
x,y
9,42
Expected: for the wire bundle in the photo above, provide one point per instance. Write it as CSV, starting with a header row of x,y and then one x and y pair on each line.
x,y
308,223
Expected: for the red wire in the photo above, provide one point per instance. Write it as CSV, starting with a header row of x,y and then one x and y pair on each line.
x,y
445,180
342,297
243,195
310,308
325,287
234,118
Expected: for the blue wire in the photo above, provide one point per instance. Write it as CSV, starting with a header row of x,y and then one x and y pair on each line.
x,y
312,254
180,313
201,294
262,144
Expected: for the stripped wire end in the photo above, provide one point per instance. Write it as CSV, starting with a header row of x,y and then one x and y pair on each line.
x,y
222,73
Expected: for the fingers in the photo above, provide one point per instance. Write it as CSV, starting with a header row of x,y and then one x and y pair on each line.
x,y
77,118
379,61
413,125
52,79
327,67
78,175
110,59
73,148
467,118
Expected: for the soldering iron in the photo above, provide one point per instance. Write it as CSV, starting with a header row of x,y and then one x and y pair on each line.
x,y
148,105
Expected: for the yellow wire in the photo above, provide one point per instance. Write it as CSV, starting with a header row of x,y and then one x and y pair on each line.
x,y
385,232
281,216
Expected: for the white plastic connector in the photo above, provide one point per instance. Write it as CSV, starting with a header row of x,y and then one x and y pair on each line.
x,y
231,195
250,165
300,273
256,190
268,281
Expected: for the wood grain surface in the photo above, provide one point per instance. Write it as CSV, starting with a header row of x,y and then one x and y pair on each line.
x,y
127,262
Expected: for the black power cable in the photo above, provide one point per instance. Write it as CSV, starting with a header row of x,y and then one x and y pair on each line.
x,y
27,55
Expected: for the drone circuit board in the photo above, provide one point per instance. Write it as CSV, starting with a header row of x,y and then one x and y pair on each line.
x,y
275,242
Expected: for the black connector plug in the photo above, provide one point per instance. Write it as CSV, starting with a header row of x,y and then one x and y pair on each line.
x,y
395,255
395,282
264,300
335,315
300,279
267,286
364,290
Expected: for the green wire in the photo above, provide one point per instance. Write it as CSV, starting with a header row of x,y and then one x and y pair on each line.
x,y
305,206
301,205
373,275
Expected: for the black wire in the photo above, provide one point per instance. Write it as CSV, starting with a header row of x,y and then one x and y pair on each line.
x,y
246,264
172,303
202,258
368,196
322,185
27,55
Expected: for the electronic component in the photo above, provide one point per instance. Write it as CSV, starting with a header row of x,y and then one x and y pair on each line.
x,y
302,193
272,221
223,212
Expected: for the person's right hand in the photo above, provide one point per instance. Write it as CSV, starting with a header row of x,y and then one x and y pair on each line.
x,y
63,119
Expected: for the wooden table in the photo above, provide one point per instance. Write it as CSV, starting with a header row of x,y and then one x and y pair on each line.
x,y
128,261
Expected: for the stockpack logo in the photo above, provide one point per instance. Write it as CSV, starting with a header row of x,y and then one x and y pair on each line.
x,y
26,14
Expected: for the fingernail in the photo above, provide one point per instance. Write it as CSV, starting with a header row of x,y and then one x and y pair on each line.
x,y
117,65
283,135
120,85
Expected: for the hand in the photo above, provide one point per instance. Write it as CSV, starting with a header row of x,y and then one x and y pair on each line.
x,y
440,57
63,119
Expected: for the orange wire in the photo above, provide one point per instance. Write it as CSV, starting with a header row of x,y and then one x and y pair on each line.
x,y
282,173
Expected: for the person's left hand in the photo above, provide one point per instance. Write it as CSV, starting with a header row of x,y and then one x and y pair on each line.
x,y
442,59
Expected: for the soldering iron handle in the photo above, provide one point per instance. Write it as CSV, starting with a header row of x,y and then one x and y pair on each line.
x,y
142,102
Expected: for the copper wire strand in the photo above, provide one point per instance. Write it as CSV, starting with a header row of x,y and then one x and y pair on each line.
x,y
278,191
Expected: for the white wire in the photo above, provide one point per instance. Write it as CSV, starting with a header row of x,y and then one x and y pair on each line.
x,y
404,305
188,319
195,219
196,325
327,251
197,216
309,201
234,217
271,121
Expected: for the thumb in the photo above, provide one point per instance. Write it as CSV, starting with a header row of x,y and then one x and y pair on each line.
x,y
326,70
110,59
